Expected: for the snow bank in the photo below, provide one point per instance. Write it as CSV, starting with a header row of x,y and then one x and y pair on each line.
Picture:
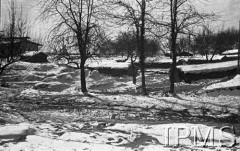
x,y
95,75
228,88
51,86
112,64
37,93
50,79
33,77
87,72
57,70
209,67
45,67
65,78
15,132
235,82
158,60
42,67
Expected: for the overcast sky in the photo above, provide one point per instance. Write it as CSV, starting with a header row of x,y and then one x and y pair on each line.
x,y
228,9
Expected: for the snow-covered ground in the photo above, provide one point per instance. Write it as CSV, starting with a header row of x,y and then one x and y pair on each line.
x,y
120,137
43,81
50,79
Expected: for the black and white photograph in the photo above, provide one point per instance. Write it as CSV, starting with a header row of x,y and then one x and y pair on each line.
x,y
119,75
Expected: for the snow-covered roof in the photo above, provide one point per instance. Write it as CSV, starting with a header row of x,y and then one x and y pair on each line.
x,y
108,64
230,52
209,67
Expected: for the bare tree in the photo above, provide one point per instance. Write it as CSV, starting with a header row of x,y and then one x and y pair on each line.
x,y
206,43
133,14
179,17
78,17
142,46
22,28
62,48
126,43
9,51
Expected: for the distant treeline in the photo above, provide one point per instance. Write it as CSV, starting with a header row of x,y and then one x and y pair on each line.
x,y
205,42
126,44
210,42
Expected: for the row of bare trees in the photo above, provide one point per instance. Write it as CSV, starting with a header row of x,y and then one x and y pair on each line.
x,y
83,22
209,41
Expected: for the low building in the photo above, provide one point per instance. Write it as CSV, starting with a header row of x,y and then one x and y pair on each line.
x,y
35,58
230,52
168,54
184,54
16,46
230,55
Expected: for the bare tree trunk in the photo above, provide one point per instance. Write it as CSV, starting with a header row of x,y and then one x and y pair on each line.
x,y
82,52
174,64
127,56
82,76
133,71
173,6
214,53
206,54
1,70
142,48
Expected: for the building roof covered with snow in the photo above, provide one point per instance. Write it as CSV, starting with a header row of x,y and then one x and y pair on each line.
x,y
230,52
